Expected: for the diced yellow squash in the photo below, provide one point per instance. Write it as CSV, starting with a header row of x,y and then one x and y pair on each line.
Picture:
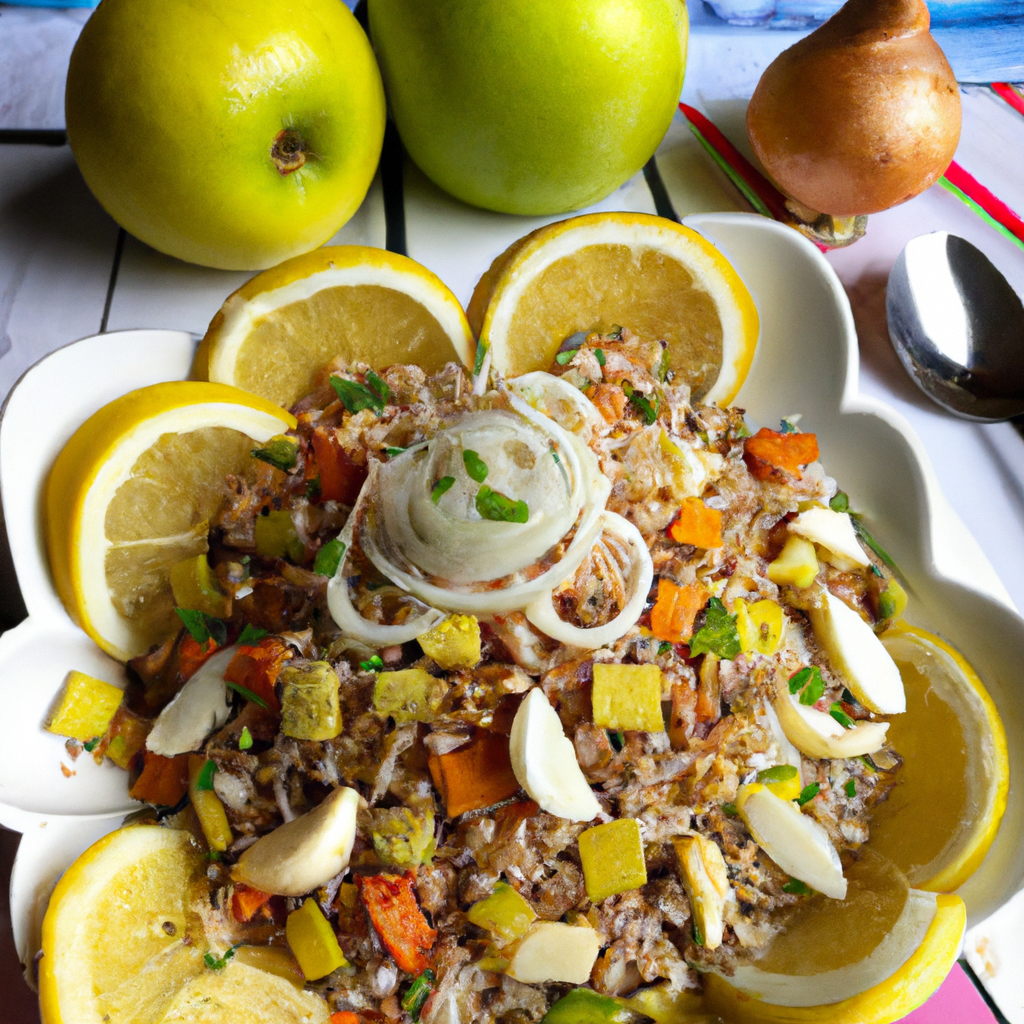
x,y
273,960
796,566
628,697
208,808
194,585
402,837
311,938
759,626
505,914
411,695
453,643
276,536
85,708
613,858
310,708
782,779
705,878
893,601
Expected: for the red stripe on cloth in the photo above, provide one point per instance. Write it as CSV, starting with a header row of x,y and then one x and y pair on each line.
x,y
987,200
1008,93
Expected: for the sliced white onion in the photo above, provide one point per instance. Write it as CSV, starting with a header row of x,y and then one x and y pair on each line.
x,y
348,619
541,611
558,400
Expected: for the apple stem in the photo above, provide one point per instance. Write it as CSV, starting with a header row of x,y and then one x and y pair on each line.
x,y
288,151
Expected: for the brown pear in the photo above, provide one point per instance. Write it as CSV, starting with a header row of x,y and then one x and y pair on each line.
x,y
862,114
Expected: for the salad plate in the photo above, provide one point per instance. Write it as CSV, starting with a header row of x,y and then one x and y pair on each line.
x,y
806,364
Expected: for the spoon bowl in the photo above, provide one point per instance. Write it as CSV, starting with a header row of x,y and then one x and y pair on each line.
x,y
958,327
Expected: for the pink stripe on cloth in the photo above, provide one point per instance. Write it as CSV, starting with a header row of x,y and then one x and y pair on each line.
x,y
987,200
1008,93
956,1002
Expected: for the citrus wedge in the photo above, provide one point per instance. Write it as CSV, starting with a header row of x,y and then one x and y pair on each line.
x,y
276,333
131,494
661,280
944,811
122,942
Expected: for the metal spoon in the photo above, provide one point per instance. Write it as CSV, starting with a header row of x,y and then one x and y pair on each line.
x,y
958,327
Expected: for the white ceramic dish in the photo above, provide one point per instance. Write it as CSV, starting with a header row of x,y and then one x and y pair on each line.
x,y
806,362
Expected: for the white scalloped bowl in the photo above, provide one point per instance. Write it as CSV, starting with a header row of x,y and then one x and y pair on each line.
x,y
806,362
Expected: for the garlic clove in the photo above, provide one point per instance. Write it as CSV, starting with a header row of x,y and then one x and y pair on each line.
x,y
544,761
817,734
706,881
555,951
832,530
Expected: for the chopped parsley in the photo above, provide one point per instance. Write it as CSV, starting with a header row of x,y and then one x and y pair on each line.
x,y
280,452
500,509
777,773
254,698
850,788
373,665
809,684
328,558
475,466
698,935
442,487
92,744
392,452
797,888
837,712
878,572
718,635
356,397
250,635
563,357
840,502
418,993
378,385
647,407
730,810
599,356
808,793
218,963
204,780
664,647
203,627
245,740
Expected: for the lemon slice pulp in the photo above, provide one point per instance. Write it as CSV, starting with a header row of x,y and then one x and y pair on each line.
x,y
661,280
276,333
132,493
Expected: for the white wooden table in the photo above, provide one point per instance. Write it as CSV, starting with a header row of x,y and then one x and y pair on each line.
x,y
67,271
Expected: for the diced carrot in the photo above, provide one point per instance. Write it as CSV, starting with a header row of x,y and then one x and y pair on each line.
x,y
477,774
245,901
697,524
390,902
257,668
344,1017
192,655
340,477
768,452
164,780
674,612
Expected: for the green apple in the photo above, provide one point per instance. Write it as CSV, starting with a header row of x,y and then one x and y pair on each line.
x,y
531,106
231,133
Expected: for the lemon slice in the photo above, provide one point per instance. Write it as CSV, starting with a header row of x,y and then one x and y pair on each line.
x,y
122,942
276,333
661,280
944,811
132,493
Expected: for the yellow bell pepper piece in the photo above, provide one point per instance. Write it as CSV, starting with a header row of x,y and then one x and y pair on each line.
x,y
208,807
628,697
796,566
276,536
453,643
85,708
613,858
411,695
194,585
759,626
312,940
505,914
310,708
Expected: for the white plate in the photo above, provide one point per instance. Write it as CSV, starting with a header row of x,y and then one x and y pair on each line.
x,y
806,362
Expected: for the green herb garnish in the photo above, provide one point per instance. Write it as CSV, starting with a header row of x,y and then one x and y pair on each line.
x,y
730,810
475,466
664,647
280,452
203,627
313,489
245,740
92,744
355,396
478,361
777,773
214,855
373,665
204,780
837,712
718,635
815,687
254,698
328,558
869,763
847,696
599,356
443,486
378,385
218,963
864,534
250,635
797,888
392,452
418,993
878,572
850,788
563,357
808,793
698,935
647,408
498,508
840,502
